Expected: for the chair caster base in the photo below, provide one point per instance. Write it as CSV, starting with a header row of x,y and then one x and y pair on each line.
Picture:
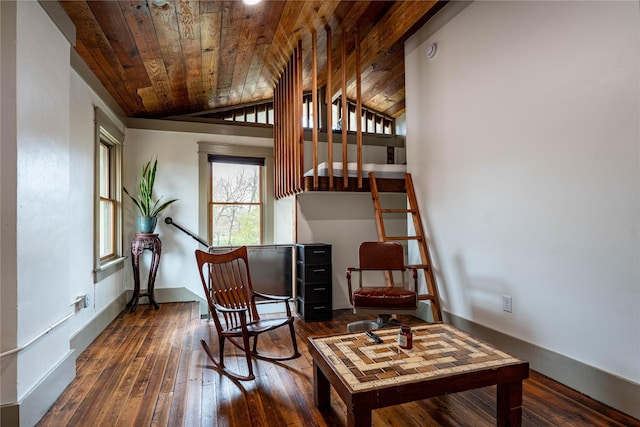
x,y
363,325
383,321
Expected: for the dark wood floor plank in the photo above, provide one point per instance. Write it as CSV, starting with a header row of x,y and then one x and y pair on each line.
x,y
159,361
191,414
148,369
176,377
111,411
104,384
161,413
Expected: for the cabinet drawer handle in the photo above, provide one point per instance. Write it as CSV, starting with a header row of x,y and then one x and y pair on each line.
x,y
319,289
319,252
319,270
319,308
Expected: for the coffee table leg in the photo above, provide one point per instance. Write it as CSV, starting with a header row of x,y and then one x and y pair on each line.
x,y
509,402
358,416
321,388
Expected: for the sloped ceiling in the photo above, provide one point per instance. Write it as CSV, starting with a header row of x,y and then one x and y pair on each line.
x,y
160,58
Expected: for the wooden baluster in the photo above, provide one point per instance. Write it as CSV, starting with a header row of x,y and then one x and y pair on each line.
x,y
345,110
329,109
292,123
358,109
276,140
298,121
287,128
280,138
314,103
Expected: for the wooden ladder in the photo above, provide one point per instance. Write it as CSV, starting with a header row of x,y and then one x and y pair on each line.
x,y
432,290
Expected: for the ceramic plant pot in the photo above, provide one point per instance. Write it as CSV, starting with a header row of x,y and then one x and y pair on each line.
x,y
147,224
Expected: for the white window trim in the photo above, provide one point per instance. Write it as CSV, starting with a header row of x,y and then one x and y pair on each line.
x,y
105,128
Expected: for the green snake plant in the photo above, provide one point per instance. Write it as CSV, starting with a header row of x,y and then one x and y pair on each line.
x,y
144,201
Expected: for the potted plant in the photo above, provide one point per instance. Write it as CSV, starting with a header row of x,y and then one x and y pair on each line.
x,y
149,209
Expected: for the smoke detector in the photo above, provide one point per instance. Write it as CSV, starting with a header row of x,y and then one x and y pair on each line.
x,y
431,50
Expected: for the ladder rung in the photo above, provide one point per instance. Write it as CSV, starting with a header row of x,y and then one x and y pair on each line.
x,y
403,238
426,297
419,266
398,210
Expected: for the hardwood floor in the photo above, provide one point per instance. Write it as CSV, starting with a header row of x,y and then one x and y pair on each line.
x,y
148,369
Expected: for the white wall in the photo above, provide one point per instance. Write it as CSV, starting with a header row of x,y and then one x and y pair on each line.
x,y
81,159
178,177
47,209
370,153
43,213
8,147
344,220
318,220
523,140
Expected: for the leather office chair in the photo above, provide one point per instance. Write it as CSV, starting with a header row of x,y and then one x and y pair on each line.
x,y
388,298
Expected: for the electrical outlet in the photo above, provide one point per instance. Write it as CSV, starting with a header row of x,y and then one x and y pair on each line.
x,y
506,303
87,301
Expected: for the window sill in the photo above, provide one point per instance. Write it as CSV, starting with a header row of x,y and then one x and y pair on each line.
x,y
107,269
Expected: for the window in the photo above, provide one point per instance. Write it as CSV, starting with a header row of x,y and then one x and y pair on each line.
x,y
236,200
261,113
108,203
372,121
108,223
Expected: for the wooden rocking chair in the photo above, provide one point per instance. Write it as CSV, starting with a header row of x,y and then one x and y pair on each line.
x,y
232,303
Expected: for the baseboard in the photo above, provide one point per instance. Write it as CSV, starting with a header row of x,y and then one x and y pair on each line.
x,y
37,402
602,386
164,295
81,340
85,336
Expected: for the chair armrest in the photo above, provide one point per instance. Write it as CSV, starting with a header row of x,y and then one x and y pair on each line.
x,y
349,271
222,309
271,297
414,274
279,298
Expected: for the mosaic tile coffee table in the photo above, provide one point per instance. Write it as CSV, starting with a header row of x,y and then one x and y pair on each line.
x,y
443,360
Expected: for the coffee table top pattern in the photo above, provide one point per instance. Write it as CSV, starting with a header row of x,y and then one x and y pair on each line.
x,y
438,350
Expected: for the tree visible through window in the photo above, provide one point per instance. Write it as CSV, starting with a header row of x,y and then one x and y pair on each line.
x,y
236,201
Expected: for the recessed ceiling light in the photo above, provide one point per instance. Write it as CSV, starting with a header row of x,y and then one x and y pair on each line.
x,y
159,3
251,2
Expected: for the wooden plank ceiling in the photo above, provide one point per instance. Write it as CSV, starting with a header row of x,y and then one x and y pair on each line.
x,y
160,58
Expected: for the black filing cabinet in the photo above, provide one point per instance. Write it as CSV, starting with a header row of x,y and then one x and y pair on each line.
x,y
313,281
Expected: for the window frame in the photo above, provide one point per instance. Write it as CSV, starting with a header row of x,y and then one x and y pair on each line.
x,y
204,184
108,198
238,160
107,134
